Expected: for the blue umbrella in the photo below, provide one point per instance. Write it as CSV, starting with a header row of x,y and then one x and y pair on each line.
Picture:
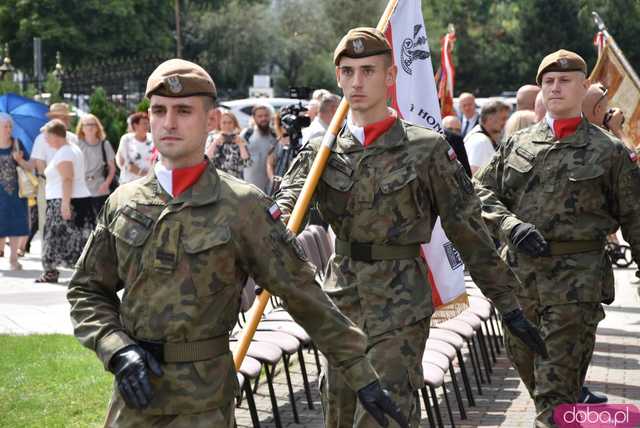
x,y
28,117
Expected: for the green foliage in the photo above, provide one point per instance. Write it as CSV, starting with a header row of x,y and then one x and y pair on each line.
x,y
143,105
113,117
51,381
53,85
8,85
499,43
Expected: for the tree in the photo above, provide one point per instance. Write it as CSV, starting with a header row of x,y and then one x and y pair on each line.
x,y
113,118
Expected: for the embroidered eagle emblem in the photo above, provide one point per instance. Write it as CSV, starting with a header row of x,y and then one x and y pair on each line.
x,y
414,49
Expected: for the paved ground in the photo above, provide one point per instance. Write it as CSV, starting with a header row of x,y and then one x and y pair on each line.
x,y
26,308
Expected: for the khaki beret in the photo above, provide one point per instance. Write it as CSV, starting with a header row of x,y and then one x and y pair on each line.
x,y
360,43
561,60
180,78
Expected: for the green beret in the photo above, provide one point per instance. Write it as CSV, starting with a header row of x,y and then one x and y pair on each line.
x,y
180,78
561,60
360,43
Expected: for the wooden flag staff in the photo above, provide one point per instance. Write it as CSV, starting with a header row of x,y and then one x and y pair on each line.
x,y
302,204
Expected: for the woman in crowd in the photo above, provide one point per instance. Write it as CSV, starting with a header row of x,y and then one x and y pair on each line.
x,y
99,159
229,150
69,217
135,151
14,219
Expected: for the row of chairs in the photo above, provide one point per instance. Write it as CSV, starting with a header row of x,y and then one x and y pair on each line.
x,y
280,338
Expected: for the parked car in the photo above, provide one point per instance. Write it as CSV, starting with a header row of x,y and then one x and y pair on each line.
x,y
242,108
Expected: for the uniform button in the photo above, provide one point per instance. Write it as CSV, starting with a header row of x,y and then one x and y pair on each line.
x,y
133,233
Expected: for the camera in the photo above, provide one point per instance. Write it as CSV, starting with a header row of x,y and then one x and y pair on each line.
x,y
293,118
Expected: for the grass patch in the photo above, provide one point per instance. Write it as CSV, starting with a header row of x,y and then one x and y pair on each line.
x,y
51,381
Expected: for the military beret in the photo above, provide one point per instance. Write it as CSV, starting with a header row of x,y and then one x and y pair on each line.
x,y
360,43
561,60
180,78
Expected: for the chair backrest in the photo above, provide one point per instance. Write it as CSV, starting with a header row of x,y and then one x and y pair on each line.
x,y
324,244
308,242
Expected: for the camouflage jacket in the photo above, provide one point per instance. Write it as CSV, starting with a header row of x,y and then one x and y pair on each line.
x,y
581,188
181,263
391,193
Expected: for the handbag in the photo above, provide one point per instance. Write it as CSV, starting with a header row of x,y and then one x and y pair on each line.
x,y
27,182
105,168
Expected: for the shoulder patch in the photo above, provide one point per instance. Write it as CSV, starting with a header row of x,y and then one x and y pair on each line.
x,y
274,212
452,154
633,156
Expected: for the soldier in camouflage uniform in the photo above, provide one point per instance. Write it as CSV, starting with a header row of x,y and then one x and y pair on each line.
x,y
382,201
180,243
553,193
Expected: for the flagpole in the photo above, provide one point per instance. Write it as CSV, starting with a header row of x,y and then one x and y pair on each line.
x,y
616,49
302,204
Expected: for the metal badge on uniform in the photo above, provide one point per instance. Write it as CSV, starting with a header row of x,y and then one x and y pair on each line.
x,y
358,46
452,154
274,212
173,82
563,62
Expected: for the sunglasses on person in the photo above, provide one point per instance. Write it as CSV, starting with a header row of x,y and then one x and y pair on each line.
x,y
604,90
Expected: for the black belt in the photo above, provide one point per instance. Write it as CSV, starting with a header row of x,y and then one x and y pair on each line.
x,y
372,252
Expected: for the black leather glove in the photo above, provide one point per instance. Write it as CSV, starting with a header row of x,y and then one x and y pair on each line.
x,y
377,402
519,326
527,239
130,367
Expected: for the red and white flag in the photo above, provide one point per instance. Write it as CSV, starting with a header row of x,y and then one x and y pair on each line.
x,y
447,74
415,98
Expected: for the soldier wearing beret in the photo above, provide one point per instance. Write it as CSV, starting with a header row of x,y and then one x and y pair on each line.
x,y
385,183
180,243
552,193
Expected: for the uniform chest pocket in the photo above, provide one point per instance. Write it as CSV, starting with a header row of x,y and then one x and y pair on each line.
x,y
337,182
520,160
586,187
401,192
211,259
131,229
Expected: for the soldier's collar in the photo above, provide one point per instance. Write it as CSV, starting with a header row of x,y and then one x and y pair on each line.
x,y
543,134
203,192
348,143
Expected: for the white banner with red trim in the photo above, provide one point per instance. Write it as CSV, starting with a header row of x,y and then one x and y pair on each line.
x,y
415,97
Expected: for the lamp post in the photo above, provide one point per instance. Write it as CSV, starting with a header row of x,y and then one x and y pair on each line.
x,y
6,68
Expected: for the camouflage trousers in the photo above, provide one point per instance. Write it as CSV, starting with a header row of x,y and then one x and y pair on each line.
x,y
569,331
397,357
121,416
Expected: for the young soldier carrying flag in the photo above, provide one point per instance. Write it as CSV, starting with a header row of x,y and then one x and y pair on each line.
x,y
385,183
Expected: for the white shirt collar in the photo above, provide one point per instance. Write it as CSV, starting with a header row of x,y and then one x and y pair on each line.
x,y
165,177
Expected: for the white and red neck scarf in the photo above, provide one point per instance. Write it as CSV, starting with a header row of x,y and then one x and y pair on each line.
x,y
176,181
369,133
563,127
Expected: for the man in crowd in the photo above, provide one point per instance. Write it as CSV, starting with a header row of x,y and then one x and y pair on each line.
x,y
261,140
526,97
468,113
597,111
452,128
180,242
385,182
483,140
326,110
553,193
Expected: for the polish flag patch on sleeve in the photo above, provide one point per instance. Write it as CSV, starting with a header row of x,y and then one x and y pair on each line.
x,y
274,212
452,154
633,156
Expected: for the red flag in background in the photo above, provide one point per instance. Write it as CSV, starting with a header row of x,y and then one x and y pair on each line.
x,y
447,73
